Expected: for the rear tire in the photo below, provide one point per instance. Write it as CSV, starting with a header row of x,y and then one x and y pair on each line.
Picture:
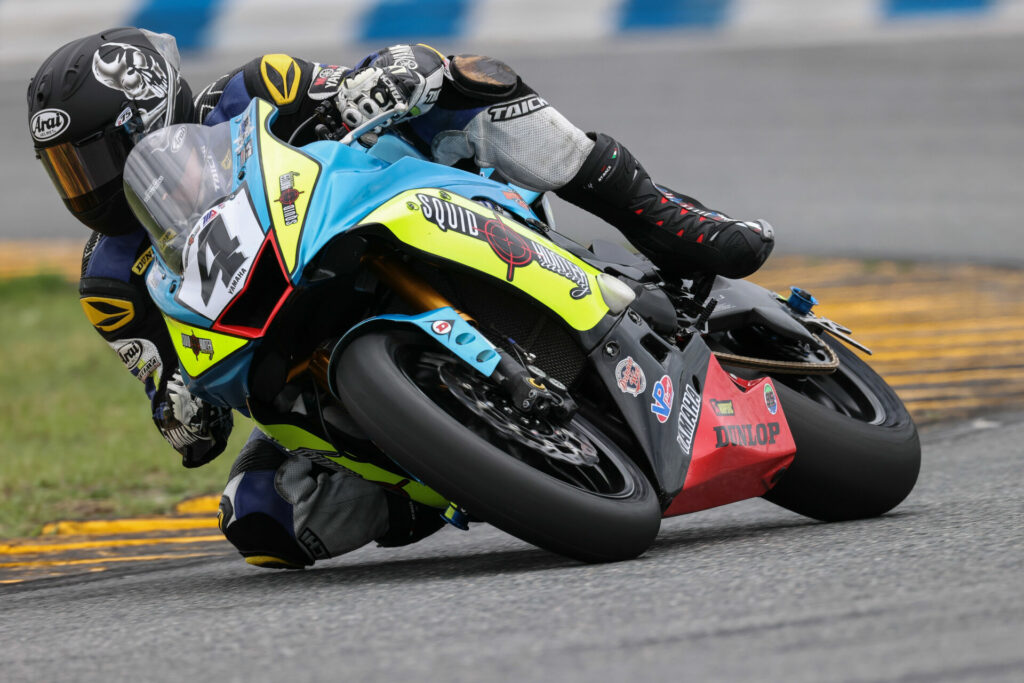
x,y
381,381
851,462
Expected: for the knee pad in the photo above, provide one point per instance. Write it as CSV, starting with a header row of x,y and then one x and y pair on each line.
x,y
253,516
260,523
284,511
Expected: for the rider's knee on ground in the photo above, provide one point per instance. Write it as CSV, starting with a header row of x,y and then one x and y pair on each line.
x,y
285,512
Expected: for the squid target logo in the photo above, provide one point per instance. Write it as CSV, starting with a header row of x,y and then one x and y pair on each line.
x,y
512,248
509,245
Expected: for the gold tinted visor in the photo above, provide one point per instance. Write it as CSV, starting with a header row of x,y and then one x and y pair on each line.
x,y
79,169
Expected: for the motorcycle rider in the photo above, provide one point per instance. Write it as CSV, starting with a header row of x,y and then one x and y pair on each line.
x,y
95,97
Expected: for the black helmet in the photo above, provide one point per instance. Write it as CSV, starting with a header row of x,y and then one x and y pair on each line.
x,y
90,102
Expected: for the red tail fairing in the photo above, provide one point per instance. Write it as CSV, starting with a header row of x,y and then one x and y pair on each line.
x,y
741,446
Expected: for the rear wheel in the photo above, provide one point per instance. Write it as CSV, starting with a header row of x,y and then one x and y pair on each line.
x,y
857,449
564,487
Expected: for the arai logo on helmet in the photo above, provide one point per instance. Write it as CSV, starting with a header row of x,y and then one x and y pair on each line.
x,y
49,123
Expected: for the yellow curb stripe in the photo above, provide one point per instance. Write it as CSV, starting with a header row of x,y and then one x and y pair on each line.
x,y
200,505
112,527
98,560
25,258
947,340
954,377
37,549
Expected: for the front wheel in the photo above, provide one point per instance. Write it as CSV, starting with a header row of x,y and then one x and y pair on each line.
x,y
566,488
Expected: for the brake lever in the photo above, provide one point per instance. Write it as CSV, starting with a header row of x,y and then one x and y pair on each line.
x,y
367,126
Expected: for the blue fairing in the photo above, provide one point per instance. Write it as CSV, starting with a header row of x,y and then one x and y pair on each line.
x,y
352,183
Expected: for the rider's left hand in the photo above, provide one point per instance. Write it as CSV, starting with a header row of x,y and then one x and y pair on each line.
x,y
196,429
385,95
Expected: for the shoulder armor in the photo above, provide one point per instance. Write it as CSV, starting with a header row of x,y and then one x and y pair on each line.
x,y
279,78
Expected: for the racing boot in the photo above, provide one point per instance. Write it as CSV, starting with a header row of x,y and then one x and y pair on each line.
x,y
678,233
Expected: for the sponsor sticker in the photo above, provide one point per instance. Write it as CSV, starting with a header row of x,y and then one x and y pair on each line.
x,y
124,117
517,108
179,139
761,434
511,247
197,345
722,408
326,81
289,195
771,401
140,357
49,123
689,415
662,395
629,376
516,197
441,327
143,262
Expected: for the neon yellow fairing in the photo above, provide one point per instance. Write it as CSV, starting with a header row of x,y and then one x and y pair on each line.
x,y
294,438
291,175
469,233
198,349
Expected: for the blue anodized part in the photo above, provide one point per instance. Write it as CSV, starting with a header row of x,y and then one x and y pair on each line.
x,y
800,300
446,327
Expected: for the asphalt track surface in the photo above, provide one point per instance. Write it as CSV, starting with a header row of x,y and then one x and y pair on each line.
x,y
932,592
910,150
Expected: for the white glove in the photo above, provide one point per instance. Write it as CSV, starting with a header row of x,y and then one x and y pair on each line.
x,y
195,428
378,97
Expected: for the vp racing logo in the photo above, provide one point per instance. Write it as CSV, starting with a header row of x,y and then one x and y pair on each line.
x,y
514,249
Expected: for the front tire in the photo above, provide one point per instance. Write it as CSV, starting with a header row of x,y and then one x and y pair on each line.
x,y
387,385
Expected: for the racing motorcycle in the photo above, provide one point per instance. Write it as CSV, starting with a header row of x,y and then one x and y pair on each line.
x,y
425,328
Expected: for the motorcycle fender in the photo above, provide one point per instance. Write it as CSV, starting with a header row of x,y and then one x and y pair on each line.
x,y
657,387
453,228
443,325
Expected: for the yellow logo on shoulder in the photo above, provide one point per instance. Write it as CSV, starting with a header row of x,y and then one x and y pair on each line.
x,y
107,314
198,349
281,74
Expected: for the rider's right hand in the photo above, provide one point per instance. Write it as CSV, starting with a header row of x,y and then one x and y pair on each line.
x,y
381,95
198,430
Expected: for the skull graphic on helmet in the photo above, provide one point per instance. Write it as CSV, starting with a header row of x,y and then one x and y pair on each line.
x,y
127,68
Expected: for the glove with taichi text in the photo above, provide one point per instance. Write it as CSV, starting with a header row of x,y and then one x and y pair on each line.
x,y
198,430
381,96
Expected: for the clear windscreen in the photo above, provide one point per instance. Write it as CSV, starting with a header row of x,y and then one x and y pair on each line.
x,y
172,176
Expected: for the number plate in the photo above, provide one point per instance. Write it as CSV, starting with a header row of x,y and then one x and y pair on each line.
x,y
218,256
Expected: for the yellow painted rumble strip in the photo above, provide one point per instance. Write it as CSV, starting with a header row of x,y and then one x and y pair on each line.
x,y
127,526
20,549
198,506
23,258
98,560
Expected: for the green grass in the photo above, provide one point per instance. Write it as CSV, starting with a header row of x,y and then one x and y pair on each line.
x,y
76,437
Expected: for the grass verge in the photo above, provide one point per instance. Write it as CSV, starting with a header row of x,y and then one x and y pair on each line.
x,y
76,437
